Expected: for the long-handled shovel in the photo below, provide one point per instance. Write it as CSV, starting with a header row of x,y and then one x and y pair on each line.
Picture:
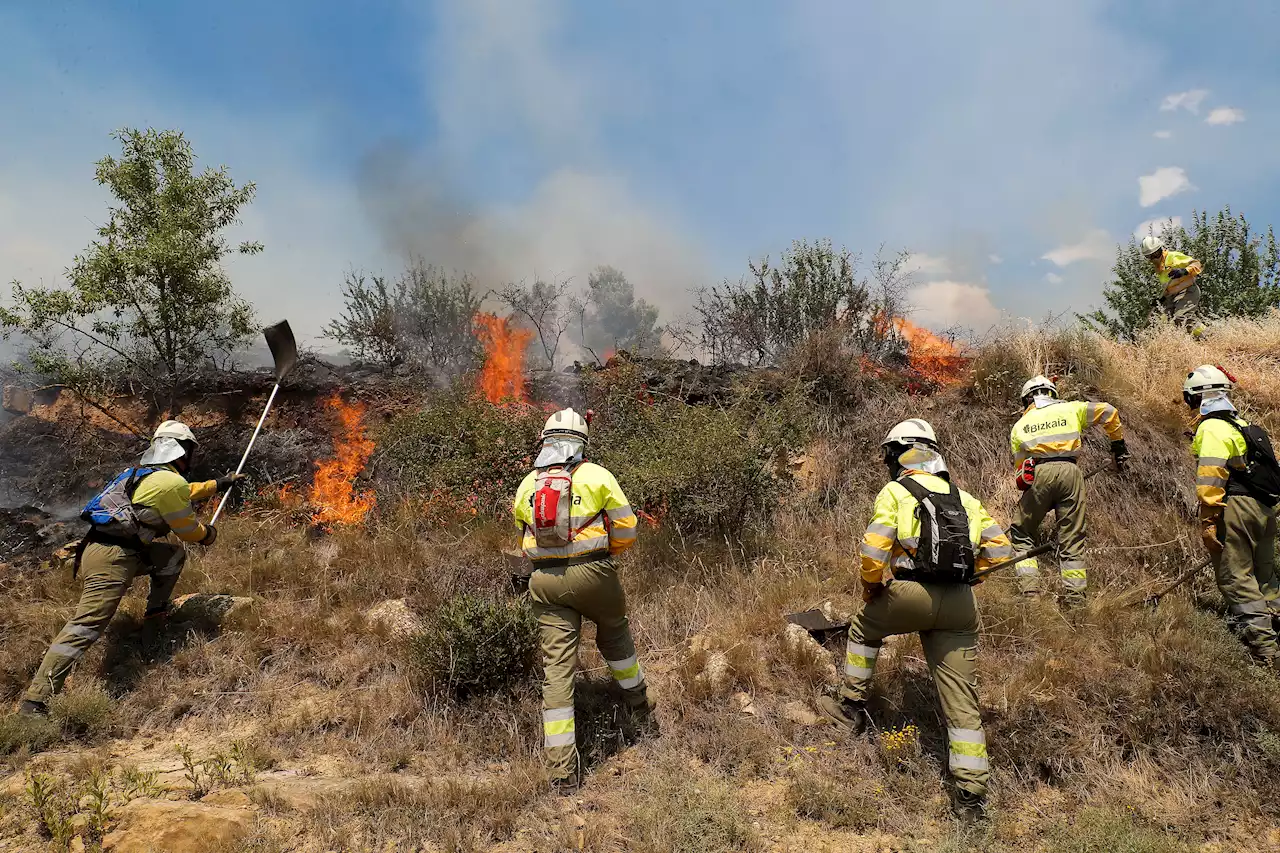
x,y
1154,600
284,350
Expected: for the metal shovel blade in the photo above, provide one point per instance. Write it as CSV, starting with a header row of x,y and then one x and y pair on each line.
x,y
284,349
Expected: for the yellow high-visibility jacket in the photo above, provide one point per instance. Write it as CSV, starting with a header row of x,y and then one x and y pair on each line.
x,y
894,532
1177,261
600,509
1219,449
1057,430
163,501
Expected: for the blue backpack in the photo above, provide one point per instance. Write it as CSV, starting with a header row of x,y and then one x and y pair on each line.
x,y
112,508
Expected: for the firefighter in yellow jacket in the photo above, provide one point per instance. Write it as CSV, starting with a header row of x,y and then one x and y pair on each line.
x,y
1177,274
919,578
130,520
1237,512
575,520
1046,443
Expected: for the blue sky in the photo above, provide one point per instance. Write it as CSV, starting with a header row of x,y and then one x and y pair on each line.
x,y
1002,141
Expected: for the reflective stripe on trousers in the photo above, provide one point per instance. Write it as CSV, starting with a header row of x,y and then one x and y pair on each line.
x,y
626,672
968,749
557,727
1074,576
860,660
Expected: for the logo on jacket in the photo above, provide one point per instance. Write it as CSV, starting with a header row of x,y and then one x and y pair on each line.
x,y
1060,423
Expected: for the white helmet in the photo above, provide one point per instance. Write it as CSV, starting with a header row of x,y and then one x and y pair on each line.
x,y
167,443
1152,245
910,432
1038,385
566,422
1206,378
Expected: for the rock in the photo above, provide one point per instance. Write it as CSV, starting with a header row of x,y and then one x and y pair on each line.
x,y
17,400
228,798
212,607
800,714
744,703
149,825
801,645
718,672
76,845
395,617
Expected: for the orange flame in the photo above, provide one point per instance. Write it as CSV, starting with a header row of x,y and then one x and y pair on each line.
x,y
333,497
502,377
935,359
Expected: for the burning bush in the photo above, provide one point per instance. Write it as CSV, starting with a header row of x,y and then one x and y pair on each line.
x,y
476,646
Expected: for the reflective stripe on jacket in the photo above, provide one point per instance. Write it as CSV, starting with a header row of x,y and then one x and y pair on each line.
x,y
895,530
1177,261
601,517
1058,429
1219,449
162,502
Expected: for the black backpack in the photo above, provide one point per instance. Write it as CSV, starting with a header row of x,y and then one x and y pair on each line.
x,y
1260,478
945,553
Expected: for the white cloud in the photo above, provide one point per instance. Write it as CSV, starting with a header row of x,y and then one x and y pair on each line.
x,y
1053,278
1189,100
995,259
1163,134
1157,226
1225,115
1161,184
946,304
1096,245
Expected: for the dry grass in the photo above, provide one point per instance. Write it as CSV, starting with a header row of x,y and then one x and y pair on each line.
x,y
1157,714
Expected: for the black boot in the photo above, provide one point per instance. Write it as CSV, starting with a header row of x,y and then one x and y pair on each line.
x,y
845,713
970,805
31,708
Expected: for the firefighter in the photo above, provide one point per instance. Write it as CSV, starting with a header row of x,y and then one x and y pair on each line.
x,y
1177,274
1046,448
575,520
1237,509
914,580
129,521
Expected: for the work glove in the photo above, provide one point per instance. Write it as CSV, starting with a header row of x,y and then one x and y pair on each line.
x,y
1120,453
210,535
227,481
1177,273
1209,535
871,590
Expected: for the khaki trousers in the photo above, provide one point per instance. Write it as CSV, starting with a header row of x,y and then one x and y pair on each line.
x,y
107,572
561,597
1058,486
946,617
1246,572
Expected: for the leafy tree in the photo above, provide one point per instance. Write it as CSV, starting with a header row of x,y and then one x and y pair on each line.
x,y
815,288
1241,274
149,305
424,318
610,317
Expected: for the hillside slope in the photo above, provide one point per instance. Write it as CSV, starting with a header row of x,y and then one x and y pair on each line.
x,y
307,723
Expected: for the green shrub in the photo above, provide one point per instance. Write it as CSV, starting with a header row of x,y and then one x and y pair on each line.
x,y
34,734
476,645
82,711
462,455
704,469
837,804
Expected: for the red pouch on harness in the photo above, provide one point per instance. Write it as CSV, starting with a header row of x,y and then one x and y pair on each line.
x,y
1026,474
553,508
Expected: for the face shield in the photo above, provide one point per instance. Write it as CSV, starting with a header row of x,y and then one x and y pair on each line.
x,y
163,451
560,450
922,457
1215,401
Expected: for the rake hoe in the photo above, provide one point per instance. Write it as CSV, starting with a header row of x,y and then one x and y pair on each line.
x,y
284,351
1154,600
